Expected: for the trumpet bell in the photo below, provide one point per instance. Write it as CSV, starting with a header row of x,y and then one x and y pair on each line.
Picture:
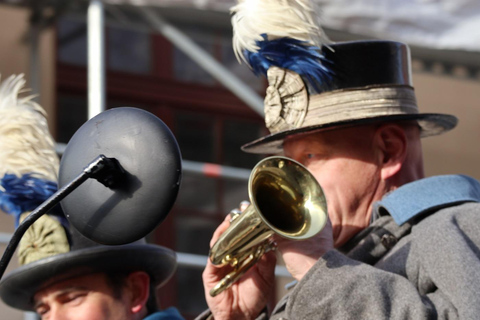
x,y
286,199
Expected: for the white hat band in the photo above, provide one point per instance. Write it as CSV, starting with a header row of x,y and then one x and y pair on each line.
x,y
361,103
289,106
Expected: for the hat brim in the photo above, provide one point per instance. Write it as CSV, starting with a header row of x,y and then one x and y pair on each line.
x,y
430,123
18,287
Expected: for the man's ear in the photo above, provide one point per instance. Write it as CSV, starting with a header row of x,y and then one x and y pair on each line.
x,y
392,142
138,286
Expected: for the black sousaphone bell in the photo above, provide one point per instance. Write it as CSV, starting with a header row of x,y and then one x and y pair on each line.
x,y
119,177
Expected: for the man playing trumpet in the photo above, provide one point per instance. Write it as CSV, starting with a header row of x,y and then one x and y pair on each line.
x,y
397,245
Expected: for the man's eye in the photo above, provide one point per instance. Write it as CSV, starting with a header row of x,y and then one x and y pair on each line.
x,y
42,310
309,156
74,297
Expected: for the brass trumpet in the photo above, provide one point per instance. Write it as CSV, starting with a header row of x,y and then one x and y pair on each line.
x,y
286,199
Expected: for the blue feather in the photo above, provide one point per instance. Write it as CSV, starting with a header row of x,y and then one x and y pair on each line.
x,y
24,194
292,54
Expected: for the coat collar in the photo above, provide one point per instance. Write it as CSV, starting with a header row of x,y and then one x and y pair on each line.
x,y
167,314
426,195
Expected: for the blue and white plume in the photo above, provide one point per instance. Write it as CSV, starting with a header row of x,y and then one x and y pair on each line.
x,y
28,162
281,33
28,171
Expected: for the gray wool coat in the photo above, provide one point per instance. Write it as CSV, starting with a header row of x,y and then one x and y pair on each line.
x,y
426,267
431,273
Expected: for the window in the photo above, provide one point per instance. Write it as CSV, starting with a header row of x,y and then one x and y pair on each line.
x,y
236,133
126,50
129,51
218,45
185,69
72,113
72,41
195,134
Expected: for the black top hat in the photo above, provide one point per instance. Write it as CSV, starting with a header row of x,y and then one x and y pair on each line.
x,y
18,288
318,85
369,81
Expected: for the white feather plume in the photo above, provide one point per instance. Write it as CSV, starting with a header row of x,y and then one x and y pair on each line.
x,y
26,145
297,19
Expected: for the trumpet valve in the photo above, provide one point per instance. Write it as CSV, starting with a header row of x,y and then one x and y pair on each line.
x,y
231,260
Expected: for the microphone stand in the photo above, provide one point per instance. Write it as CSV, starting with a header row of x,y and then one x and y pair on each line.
x,y
107,171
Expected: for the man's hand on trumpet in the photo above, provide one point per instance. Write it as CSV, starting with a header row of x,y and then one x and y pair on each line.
x,y
246,298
